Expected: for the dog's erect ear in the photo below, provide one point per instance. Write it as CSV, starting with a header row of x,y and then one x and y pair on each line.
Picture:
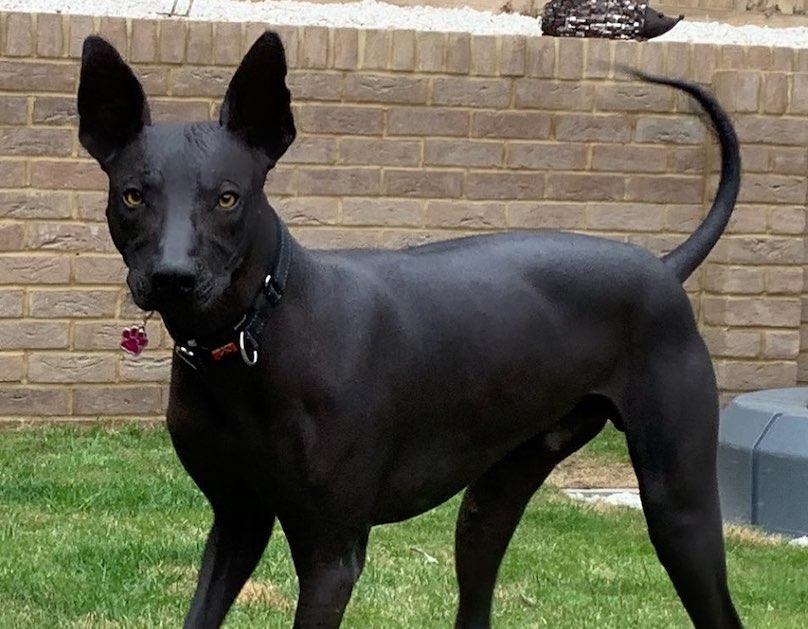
x,y
111,103
256,106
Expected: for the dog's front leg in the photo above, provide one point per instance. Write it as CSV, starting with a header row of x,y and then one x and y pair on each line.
x,y
231,553
327,571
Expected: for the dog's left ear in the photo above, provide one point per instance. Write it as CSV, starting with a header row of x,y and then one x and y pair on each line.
x,y
256,107
111,103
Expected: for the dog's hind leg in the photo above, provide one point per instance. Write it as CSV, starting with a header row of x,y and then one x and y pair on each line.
x,y
231,553
670,413
493,505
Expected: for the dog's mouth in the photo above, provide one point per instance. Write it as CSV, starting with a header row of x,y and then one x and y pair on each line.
x,y
185,309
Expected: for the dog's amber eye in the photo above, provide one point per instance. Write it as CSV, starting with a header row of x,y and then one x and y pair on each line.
x,y
227,200
133,197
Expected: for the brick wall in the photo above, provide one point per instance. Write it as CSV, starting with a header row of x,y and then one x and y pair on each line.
x,y
404,137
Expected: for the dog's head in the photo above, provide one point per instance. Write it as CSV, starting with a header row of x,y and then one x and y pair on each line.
x,y
185,200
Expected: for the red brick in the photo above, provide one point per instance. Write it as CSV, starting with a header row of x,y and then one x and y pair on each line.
x,y
504,186
728,279
596,61
463,153
55,110
376,152
752,311
70,237
371,88
683,218
144,41
184,110
759,250
346,48
788,220
33,402
95,269
106,335
483,55
11,303
109,400
339,181
661,189
200,81
585,187
313,47
781,345
11,237
79,27
19,35
12,173
422,183
546,155
427,122
771,130
67,175
227,43
28,335
341,120
626,97
458,53
92,206
509,124
512,56
145,368
784,281
50,38
465,215
376,49
466,92
11,367
69,368
775,93
386,212
13,110
546,215
73,303
314,85
35,142
330,238
789,161
733,343
541,57
773,189
172,34
570,62
587,128
113,29
630,159
748,376
738,91
635,218
29,269
200,43
430,48
309,210
20,76
673,129
544,94
403,50
312,150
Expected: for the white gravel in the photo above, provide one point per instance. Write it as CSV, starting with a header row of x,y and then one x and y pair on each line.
x,y
619,497
373,14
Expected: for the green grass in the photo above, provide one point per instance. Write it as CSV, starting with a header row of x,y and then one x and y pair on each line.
x,y
102,528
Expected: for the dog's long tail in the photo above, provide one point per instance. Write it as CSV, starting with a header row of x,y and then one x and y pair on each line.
x,y
692,252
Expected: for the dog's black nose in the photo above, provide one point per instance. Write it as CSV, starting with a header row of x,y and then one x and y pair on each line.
x,y
179,278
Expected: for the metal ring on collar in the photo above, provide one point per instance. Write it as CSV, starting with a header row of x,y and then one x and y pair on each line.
x,y
242,345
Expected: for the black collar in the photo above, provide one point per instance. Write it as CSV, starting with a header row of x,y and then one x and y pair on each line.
x,y
244,337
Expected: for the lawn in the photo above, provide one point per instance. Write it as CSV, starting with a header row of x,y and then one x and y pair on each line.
x,y
102,528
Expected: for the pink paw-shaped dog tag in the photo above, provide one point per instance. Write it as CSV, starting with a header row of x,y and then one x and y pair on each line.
x,y
134,340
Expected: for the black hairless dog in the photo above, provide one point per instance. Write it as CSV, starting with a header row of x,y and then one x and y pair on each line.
x,y
337,390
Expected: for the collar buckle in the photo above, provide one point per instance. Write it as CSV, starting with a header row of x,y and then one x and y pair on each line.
x,y
248,347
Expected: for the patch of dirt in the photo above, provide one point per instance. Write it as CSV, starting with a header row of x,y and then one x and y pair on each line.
x,y
265,594
586,472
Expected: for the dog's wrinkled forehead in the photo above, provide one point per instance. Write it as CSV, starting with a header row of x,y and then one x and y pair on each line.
x,y
203,153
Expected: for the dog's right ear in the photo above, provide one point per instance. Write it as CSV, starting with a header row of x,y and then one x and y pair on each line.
x,y
256,107
111,103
